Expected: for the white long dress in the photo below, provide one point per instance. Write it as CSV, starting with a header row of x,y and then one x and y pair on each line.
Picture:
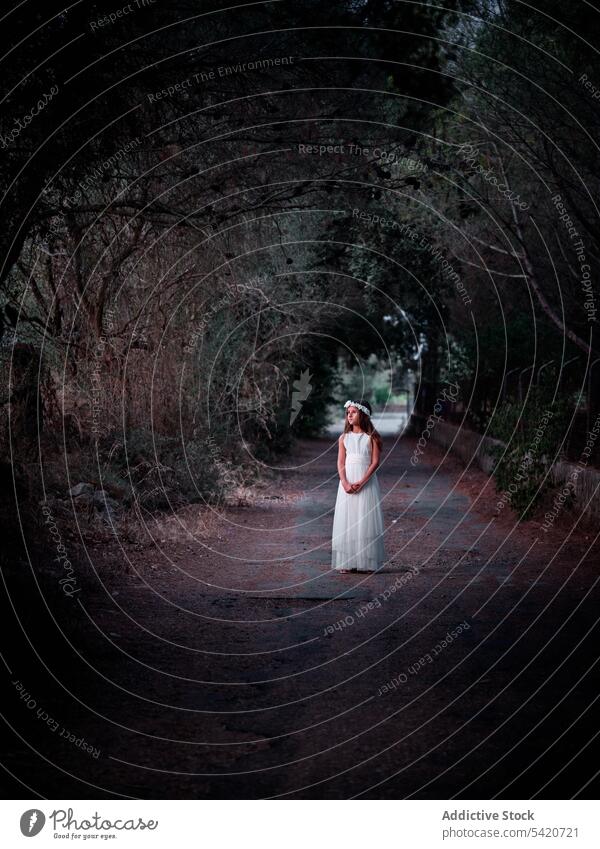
x,y
357,538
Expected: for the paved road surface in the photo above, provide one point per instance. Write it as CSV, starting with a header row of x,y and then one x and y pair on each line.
x,y
237,665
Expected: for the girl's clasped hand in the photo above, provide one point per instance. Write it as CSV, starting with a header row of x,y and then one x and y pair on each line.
x,y
353,487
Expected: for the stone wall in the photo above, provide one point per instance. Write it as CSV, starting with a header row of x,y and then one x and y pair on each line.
x,y
473,447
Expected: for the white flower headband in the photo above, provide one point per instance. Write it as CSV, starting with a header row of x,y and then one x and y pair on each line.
x,y
358,406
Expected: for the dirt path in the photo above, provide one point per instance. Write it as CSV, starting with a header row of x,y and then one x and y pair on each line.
x,y
237,665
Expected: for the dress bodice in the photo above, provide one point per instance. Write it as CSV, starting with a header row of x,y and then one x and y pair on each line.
x,y
358,447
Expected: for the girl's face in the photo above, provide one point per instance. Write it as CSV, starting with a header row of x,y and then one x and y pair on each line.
x,y
352,415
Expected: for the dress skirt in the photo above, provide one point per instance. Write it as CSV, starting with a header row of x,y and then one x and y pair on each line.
x,y
357,536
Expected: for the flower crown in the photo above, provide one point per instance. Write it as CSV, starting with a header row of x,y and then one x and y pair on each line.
x,y
358,406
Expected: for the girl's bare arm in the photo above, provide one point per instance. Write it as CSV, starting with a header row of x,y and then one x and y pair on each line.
x,y
341,463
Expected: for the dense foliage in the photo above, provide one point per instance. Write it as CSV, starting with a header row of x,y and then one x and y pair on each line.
x,y
210,209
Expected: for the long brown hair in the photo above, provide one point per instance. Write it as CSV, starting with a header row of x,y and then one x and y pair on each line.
x,y
365,424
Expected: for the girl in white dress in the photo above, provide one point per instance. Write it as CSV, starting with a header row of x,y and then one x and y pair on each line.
x,y
357,538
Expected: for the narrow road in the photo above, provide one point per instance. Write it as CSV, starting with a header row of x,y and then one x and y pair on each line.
x,y
230,662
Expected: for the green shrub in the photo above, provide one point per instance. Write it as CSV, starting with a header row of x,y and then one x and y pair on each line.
x,y
160,471
533,434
